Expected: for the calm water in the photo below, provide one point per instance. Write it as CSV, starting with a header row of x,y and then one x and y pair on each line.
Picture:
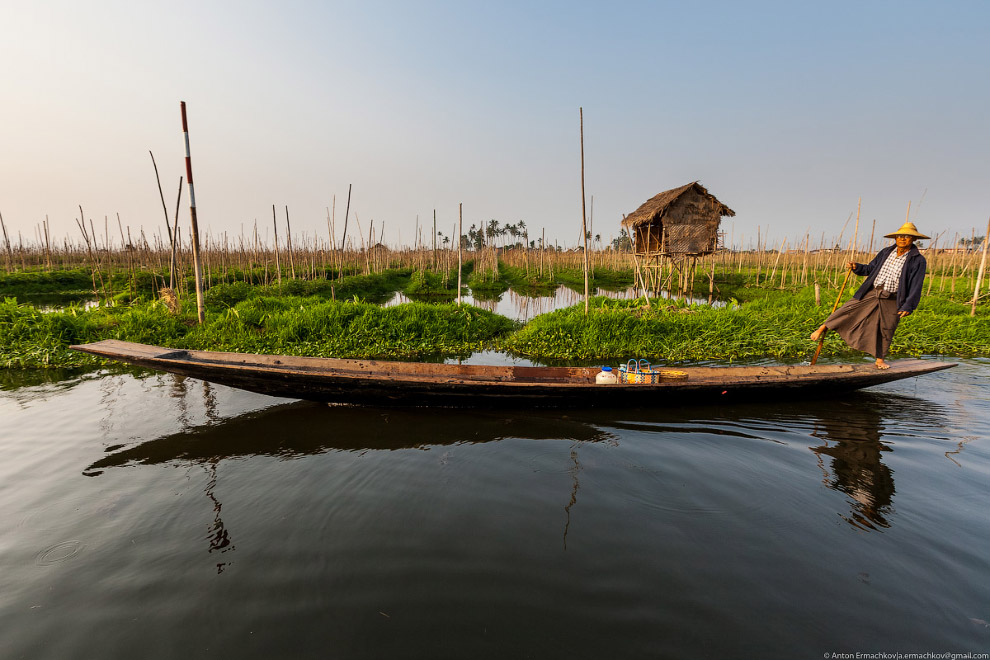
x,y
520,307
146,516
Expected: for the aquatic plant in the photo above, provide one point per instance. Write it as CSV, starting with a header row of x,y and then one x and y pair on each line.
x,y
263,324
775,326
529,281
428,285
319,316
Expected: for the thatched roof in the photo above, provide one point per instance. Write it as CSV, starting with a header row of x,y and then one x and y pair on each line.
x,y
654,207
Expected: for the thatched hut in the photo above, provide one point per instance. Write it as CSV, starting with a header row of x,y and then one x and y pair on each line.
x,y
679,222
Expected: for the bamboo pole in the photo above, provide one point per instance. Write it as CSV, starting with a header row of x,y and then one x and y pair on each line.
x,y
584,231
96,251
174,240
780,250
6,242
278,265
168,227
94,264
288,243
367,252
955,246
347,211
460,228
934,258
48,247
333,241
979,275
855,243
197,261
759,256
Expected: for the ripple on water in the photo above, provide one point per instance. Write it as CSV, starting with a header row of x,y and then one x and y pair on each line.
x,y
702,470
66,512
59,553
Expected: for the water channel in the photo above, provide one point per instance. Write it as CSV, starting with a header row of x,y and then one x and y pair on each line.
x,y
146,515
522,307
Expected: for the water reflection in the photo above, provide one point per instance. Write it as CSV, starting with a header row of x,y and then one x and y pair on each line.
x,y
218,535
575,470
295,430
849,438
179,391
523,307
298,430
22,382
54,302
855,434
856,466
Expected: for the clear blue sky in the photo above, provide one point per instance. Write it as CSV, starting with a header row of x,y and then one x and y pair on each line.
x,y
788,112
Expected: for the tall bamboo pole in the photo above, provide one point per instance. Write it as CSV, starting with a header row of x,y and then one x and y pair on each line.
x,y
330,228
48,247
288,239
460,222
855,243
584,230
6,242
197,262
168,226
278,265
174,268
347,211
979,275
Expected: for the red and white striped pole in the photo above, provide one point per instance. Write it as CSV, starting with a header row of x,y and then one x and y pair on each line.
x,y
197,262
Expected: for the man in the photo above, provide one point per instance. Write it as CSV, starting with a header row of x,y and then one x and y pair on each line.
x,y
891,291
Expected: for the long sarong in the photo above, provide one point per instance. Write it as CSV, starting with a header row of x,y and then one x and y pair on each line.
x,y
867,325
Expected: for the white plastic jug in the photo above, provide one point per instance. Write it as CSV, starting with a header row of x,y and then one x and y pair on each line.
x,y
606,376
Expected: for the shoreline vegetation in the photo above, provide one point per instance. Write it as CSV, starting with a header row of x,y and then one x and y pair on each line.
x,y
311,299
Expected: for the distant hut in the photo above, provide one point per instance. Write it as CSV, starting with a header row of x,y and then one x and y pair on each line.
x,y
681,221
674,225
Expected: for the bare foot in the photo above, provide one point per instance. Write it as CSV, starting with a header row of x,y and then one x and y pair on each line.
x,y
881,364
817,334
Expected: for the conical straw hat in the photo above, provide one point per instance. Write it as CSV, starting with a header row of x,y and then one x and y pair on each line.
x,y
907,229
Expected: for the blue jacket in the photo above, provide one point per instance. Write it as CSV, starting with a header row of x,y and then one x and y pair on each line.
x,y
908,286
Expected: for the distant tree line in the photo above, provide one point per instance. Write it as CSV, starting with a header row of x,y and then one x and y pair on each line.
x,y
515,235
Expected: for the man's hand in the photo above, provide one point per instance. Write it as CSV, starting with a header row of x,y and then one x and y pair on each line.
x,y
903,313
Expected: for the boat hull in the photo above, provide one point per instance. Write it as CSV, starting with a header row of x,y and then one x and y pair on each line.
x,y
376,382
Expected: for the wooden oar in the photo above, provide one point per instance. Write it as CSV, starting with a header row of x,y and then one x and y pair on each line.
x,y
821,340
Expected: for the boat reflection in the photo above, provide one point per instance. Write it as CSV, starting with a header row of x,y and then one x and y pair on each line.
x,y
301,429
848,436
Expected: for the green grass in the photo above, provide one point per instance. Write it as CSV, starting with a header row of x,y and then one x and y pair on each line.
x,y
338,318
260,324
426,285
776,326
487,284
377,288
297,326
532,284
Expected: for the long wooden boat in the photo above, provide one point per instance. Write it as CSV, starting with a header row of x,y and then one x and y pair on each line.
x,y
379,382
